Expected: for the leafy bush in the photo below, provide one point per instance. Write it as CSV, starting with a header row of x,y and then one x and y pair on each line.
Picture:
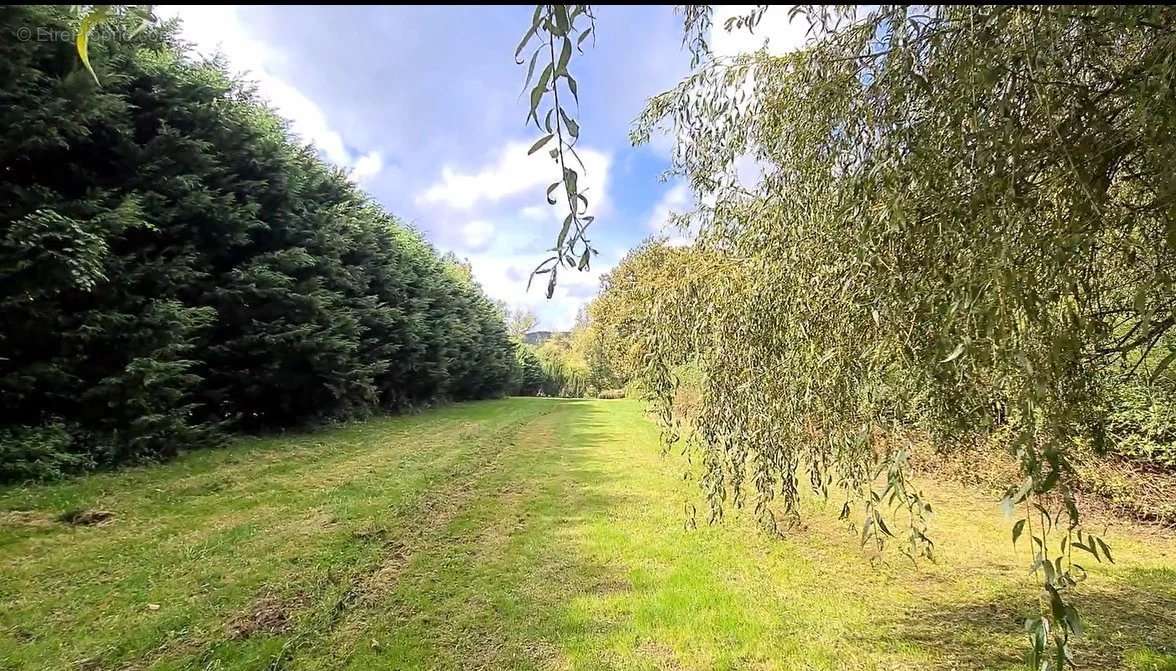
x,y
563,379
1128,487
40,452
1142,425
1123,485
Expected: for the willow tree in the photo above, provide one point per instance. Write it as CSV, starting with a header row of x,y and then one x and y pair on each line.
x,y
620,313
963,223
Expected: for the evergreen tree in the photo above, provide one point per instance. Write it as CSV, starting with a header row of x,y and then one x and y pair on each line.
x,y
176,265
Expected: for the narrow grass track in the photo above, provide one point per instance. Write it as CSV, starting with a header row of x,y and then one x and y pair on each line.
x,y
514,534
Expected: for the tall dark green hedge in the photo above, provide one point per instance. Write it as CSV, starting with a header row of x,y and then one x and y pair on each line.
x,y
175,265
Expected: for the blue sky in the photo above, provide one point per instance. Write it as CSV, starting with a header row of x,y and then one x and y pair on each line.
x,y
422,105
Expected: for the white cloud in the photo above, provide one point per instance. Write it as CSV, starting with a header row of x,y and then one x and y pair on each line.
x,y
534,212
504,277
216,28
514,173
677,200
774,28
477,234
368,165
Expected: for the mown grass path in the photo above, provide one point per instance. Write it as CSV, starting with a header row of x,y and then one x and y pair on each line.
x,y
514,534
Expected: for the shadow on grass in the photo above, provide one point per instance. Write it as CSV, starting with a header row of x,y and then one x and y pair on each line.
x,y
1131,612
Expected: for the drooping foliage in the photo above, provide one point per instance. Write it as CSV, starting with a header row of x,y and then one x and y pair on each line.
x,y
964,224
555,32
175,264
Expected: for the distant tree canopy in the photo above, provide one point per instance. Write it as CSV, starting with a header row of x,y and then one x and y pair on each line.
x,y
621,313
521,321
175,264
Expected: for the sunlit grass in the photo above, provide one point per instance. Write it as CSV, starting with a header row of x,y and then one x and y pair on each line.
x,y
517,534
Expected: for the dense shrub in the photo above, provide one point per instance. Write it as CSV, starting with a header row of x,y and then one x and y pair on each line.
x,y
1142,424
175,264
561,378
39,452
1106,481
530,371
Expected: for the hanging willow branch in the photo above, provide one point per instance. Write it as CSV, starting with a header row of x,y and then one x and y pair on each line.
x,y
556,32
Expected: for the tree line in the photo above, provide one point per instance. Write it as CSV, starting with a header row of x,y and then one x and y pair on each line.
x,y
177,266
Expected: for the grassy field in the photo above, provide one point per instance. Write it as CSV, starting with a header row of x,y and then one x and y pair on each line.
x,y
515,534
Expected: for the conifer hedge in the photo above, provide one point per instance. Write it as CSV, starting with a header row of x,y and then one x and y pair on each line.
x,y
175,265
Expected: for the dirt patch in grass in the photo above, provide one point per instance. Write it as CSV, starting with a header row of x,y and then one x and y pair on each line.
x,y
607,586
269,614
86,518
372,588
547,655
661,654
27,519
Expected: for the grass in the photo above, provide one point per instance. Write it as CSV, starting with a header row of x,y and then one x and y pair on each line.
x,y
514,534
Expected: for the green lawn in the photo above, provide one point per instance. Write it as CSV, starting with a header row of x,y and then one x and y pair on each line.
x,y
515,534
